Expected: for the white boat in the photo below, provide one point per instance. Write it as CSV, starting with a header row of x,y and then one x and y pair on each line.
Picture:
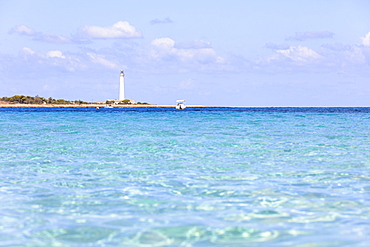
x,y
180,104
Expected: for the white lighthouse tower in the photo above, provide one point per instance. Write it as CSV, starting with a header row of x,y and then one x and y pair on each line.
x,y
122,86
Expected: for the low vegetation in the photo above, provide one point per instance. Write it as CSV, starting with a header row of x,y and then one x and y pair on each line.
x,y
21,99
124,102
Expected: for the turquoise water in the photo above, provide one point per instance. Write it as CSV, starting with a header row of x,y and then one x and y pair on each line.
x,y
195,177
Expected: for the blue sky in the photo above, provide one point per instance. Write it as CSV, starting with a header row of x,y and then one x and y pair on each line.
x,y
234,53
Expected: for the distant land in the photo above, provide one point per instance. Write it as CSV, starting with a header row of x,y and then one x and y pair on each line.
x,y
37,100
22,101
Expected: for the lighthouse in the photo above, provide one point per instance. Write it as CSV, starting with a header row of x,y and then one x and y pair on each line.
x,y
122,86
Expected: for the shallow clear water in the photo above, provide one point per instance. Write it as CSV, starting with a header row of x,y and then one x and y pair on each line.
x,y
195,177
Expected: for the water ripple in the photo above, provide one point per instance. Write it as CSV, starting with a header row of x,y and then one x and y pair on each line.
x,y
251,177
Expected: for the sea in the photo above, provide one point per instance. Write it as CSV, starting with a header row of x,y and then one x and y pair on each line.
x,y
285,176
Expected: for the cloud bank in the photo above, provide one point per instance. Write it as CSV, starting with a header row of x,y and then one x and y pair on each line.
x,y
38,36
165,50
301,36
23,30
299,54
119,30
335,57
163,55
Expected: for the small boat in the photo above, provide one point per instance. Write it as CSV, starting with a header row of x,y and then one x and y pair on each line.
x,y
108,106
180,104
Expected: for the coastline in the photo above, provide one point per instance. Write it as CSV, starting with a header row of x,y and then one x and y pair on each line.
x,y
95,106
7,105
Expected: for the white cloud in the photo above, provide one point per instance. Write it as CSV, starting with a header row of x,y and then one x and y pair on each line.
x,y
331,57
52,39
38,36
49,54
295,57
57,54
121,29
49,60
98,59
24,30
355,56
366,40
163,43
299,54
27,51
165,49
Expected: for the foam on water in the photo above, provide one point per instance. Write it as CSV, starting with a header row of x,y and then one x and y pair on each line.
x,y
196,177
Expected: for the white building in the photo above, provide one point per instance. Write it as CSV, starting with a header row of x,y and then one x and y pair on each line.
x,y
121,86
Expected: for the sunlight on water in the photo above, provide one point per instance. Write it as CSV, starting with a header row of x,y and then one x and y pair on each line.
x,y
226,177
